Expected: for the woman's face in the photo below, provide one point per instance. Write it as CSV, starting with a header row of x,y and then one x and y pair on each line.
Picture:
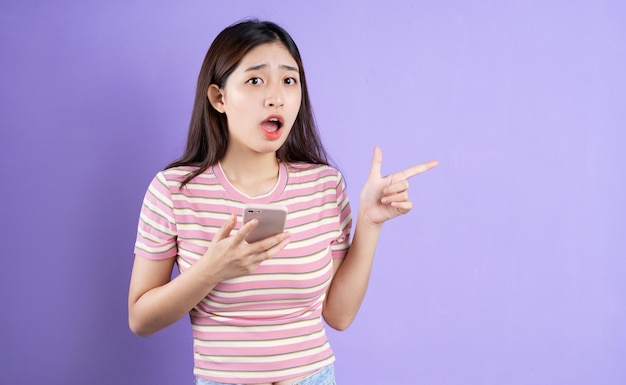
x,y
261,99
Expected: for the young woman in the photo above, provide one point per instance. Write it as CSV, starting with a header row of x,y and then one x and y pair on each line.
x,y
256,308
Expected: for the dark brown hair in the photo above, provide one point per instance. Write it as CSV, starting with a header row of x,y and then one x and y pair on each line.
x,y
208,130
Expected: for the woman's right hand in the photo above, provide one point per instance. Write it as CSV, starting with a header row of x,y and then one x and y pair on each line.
x,y
231,256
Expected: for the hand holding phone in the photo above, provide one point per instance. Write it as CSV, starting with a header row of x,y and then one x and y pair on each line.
x,y
271,219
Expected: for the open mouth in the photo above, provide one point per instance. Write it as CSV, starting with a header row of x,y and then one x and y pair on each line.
x,y
271,126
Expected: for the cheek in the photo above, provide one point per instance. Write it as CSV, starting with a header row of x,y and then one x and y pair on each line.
x,y
296,102
238,102
239,97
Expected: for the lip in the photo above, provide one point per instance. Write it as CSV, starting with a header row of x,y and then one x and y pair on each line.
x,y
272,126
280,119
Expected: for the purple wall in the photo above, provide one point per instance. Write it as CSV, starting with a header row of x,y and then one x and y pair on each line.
x,y
510,270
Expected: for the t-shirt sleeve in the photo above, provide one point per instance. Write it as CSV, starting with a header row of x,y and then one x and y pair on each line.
x,y
340,246
156,232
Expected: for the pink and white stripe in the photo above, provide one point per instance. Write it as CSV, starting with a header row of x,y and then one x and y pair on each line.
x,y
265,326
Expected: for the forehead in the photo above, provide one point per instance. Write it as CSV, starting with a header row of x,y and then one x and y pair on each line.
x,y
271,54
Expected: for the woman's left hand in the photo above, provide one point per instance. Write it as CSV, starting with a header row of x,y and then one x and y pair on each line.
x,y
384,198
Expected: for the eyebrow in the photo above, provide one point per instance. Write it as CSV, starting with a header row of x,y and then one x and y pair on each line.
x,y
263,66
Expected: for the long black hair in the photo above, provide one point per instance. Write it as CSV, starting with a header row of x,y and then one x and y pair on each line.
x,y
208,130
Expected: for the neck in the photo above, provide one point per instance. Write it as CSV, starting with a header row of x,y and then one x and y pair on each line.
x,y
252,175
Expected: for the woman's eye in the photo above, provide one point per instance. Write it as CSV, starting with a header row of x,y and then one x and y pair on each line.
x,y
254,81
290,81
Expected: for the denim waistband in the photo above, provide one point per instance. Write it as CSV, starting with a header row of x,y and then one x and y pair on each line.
x,y
324,376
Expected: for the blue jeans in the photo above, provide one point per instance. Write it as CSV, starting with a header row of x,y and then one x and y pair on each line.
x,y
324,376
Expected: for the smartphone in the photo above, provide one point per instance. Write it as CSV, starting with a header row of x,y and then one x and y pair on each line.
x,y
271,219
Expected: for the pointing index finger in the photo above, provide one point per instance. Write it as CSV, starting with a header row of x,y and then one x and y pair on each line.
x,y
415,170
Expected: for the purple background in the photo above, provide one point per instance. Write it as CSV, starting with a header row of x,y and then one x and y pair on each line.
x,y
510,270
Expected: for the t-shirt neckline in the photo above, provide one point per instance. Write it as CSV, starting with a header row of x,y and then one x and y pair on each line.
x,y
273,195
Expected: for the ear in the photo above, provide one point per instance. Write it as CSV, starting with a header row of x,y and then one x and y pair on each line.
x,y
216,97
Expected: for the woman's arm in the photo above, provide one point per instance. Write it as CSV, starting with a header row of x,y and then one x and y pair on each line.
x,y
155,301
381,199
351,278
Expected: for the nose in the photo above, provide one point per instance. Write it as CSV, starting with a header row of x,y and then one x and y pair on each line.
x,y
274,96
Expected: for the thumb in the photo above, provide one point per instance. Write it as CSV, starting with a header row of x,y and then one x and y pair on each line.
x,y
377,161
227,227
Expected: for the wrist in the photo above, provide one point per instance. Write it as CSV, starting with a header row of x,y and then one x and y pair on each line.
x,y
208,269
364,221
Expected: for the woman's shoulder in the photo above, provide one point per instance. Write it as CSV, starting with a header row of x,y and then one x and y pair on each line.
x,y
309,172
179,170
175,175
311,168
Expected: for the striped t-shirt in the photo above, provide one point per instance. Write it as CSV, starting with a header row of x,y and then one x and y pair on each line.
x,y
265,326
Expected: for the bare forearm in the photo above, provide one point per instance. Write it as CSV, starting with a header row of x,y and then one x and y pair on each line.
x,y
347,291
166,304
